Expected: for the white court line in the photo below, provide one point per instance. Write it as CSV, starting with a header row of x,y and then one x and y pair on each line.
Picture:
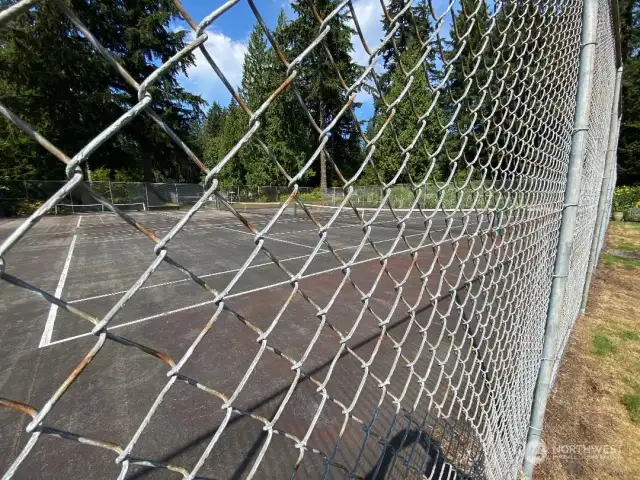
x,y
183,280
233,295
269,238
53,311
224,272
203,225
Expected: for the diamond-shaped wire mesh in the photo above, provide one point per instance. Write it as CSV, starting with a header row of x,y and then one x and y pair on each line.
x,y
445,392
592,172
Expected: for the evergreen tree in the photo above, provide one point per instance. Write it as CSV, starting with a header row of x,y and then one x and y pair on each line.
x,y
286,127
53,78
413,28
257,85
468,77
282,130
412,49
223,128
629,141
255,82
405,125
319,85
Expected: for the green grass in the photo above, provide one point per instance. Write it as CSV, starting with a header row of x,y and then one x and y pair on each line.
x,y
629,335
631,224
633,383
610,259
627,246
603,345
632,404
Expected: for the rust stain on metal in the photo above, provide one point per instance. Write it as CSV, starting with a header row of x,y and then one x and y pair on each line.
x,y
19,407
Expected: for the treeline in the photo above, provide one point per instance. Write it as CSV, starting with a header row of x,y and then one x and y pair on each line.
x,y
461,101
629,140
291,131
53,79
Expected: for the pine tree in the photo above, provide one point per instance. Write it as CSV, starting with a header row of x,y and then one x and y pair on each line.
x,y
257,85
411,44
319,84
405,125
286,127
53,78
280,126
468,77
413,26
629,141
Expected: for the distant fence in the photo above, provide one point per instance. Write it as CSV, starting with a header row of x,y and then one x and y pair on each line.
x,y
23,197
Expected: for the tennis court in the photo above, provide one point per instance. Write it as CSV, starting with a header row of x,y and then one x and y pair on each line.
x,y
360,403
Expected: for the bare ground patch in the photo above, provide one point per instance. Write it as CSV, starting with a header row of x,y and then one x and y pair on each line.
x,y
592,425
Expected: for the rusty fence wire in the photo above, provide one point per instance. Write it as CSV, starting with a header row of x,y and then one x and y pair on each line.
x,y
488,300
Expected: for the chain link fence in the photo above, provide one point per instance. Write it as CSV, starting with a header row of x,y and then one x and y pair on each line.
x,y
488,305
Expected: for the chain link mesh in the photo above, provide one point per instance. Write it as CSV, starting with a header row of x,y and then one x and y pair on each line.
x,y
592,173
457,376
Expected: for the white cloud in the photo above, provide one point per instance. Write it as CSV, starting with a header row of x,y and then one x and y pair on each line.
x,y
369,15
229,57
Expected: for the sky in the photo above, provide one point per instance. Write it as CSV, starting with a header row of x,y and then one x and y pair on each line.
x,y
229,35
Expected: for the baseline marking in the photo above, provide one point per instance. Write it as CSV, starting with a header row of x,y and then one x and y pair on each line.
x,y
53,311
214,274
233,295
269,238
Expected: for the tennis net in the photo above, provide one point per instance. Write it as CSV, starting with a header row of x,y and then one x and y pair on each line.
x,y
70,209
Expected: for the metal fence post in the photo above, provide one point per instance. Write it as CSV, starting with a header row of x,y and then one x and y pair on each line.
x,y
146,193
610,189
110,192
588,40
604,189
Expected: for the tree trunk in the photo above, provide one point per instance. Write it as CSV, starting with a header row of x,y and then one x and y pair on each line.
x,y
323,158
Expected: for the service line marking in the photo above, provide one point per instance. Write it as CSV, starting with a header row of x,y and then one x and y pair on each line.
x,y
53,311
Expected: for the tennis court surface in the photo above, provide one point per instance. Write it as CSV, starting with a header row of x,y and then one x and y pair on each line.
x,y
356,369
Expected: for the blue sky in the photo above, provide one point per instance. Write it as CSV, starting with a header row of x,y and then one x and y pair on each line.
x,y
229,34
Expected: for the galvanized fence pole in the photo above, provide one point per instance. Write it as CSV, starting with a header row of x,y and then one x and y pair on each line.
x,y
604,189
588,40
610,189
110,192
146,193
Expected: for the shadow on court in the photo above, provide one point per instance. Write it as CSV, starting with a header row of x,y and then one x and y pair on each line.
x,y
387,388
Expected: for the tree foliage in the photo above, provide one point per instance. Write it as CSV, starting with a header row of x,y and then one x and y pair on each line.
x,y
52,78
285,127
629,141
279,130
